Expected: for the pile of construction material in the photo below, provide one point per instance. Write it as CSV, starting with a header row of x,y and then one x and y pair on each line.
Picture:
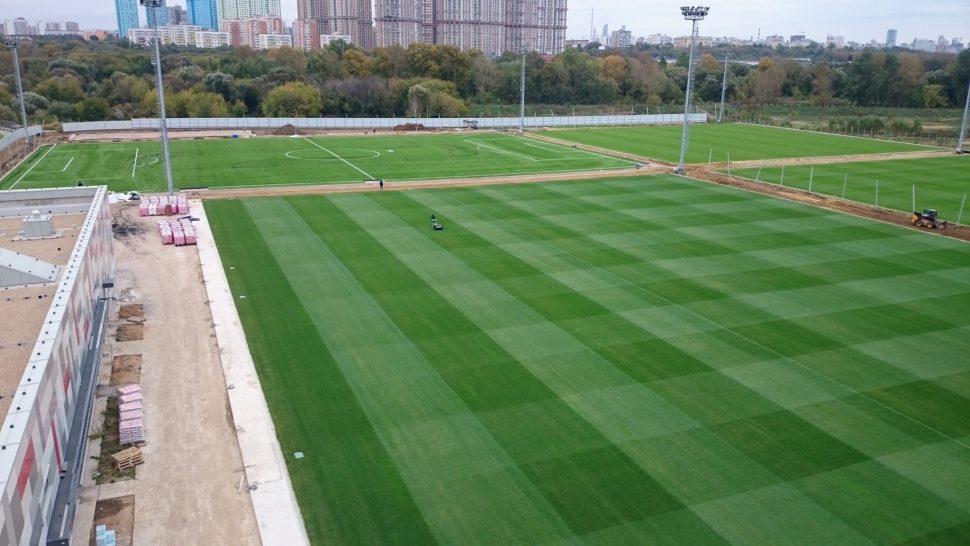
x,y
177,232
128,458
131,427
163,205
104,536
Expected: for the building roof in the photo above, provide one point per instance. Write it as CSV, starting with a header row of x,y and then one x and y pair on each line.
x,y
24,308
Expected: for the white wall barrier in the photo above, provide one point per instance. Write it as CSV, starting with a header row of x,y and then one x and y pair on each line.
x,y
382,123
11,138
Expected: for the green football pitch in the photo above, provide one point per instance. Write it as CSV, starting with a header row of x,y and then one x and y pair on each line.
x,y
620,361
940,182
729,141
317,160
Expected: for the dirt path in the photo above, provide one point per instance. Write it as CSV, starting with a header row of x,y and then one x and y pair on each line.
x,y
264,191
821,160
187,491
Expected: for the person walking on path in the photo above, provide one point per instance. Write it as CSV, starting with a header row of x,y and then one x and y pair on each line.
x,y
381,182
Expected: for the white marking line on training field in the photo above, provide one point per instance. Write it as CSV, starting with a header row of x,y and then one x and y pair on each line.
x,y
340,158
69,161
14,185
134,164
575,150
739,334
499,150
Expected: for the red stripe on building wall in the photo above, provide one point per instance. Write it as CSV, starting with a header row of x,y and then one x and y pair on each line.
x,y
67,378
25,468
57,448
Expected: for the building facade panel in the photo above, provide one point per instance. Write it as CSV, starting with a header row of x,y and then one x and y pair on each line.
x,y
36,427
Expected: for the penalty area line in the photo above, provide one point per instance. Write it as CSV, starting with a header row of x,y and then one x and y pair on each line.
x,y
340,158
14,185
69,161
134,164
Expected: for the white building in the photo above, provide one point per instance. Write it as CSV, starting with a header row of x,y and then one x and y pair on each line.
x,y
180,35
273,41
327,39
211,39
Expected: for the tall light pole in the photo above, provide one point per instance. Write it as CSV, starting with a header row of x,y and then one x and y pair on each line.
x,y
720,114
523,51
12,43
963,126
692,14
151,6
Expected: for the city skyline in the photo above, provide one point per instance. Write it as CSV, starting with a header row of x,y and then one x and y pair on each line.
x,y
739,18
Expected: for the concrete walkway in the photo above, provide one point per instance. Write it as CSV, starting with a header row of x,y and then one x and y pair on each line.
x,y
277,512
188,490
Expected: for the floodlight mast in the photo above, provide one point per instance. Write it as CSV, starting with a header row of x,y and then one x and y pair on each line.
x,y
692,14
151,6
12,44
524,51
720,114
963,126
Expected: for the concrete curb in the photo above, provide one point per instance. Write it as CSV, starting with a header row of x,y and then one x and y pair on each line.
x,y
277,512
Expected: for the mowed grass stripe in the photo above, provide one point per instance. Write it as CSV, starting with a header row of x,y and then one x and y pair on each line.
x,y
466,486
567,462
809,341
348,487
639,449
741,142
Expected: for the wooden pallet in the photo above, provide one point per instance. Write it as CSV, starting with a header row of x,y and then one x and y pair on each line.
x,y
128,458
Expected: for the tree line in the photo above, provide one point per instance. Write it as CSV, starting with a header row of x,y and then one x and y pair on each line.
x,y
68,80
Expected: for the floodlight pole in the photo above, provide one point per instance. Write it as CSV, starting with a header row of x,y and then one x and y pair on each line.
x,y
12,44
692,14
720,115
963,126
152,5
524,51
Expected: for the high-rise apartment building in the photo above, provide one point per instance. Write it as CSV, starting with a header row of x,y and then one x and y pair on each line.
x,y
177,15
493,26
127,12
247,9
473,24
891,38
203,13
246,32
401,23
621,38
306,34
161,15
346,17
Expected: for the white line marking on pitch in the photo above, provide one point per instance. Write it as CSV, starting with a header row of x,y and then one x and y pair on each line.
x,y
32,167
499,150
69,161
134,164
340,158
572,150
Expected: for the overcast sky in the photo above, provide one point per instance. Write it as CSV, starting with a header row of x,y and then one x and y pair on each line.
x,y
858,21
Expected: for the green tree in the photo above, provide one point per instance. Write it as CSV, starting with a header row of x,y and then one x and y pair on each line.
x,y
65,88
294,99
93,109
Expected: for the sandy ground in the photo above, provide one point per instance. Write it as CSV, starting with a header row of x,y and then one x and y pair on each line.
x,y
188,490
